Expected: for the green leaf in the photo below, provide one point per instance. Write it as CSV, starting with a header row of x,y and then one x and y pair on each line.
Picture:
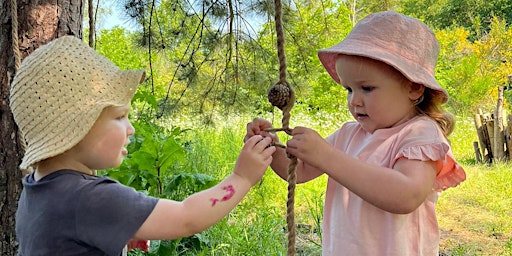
x,y
144,160
171,152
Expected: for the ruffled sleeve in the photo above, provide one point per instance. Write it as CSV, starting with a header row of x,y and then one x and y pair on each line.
x,y
451,173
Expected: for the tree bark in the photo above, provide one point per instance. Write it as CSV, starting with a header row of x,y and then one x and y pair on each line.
x,y
10,153
38,23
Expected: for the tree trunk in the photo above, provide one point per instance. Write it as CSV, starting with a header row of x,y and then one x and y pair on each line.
x,y
10,153
38,22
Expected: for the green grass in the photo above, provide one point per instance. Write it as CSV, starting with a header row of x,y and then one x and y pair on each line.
x,y
474,217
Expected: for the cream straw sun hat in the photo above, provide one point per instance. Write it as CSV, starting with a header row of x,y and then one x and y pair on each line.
x,y
402,42
60,90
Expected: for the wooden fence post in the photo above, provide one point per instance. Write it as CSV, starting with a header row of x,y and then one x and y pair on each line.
x,y
482,123
508,136
494,131
499,149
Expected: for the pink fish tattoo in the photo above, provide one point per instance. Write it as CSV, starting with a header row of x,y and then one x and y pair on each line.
x,y
230,192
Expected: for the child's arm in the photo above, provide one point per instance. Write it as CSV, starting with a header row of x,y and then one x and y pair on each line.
x,y
280,160
399,190
172,219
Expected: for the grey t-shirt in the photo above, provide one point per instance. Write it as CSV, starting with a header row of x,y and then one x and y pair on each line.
x,y
71,213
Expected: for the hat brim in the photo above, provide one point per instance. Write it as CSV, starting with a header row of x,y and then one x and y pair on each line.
x,y
411,70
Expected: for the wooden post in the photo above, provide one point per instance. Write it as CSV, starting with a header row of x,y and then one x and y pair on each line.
x,y
481,135
489,130
508,137
485,119
499,149
477,152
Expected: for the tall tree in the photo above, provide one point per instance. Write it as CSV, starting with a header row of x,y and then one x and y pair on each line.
x,y
36,22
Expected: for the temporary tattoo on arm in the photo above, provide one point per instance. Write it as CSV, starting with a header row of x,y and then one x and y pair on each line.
x,y
230,192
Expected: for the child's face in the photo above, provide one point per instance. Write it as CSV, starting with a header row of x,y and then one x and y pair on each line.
x,y
378,95
105,144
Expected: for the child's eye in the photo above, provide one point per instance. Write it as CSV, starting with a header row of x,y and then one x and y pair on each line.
x,y
367,88
348,89
123,116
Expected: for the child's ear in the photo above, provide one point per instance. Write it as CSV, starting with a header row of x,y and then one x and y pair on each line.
x,y
416,91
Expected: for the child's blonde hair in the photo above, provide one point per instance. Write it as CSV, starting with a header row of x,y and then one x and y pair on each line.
x,y
431,105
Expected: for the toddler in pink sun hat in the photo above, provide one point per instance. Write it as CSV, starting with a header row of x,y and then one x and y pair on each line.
x,y
386,167
71,105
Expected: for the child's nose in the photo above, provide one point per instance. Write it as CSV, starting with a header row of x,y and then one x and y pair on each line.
x,y
131,130
354,99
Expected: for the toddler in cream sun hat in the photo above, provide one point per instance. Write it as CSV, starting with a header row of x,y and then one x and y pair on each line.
x,y
60,90
403,42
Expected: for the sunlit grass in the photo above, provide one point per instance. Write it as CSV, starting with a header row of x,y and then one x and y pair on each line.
x,y
475,218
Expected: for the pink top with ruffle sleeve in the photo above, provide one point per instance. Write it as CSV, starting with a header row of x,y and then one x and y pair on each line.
x,y
352,226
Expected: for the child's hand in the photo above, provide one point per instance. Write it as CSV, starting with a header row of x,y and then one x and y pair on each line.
x,y
308,146
257,127
254,159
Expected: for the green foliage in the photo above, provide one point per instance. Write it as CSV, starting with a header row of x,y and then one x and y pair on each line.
x,y
118,46
365,7
153,165
316,89
153,151
473,15
422,9
183,246
186,246
200,66
197,65
181,185
495,50
466,88
472,71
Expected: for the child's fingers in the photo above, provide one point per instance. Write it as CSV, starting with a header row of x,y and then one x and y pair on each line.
x,y
251,129
268,152
299,130
258,125
263,143
250,142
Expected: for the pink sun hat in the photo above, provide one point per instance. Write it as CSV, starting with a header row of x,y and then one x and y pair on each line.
x,y
402,42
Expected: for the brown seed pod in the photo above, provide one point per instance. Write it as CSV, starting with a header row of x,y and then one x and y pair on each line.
x,y
278,95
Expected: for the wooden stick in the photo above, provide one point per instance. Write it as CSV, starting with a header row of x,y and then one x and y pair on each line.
x,y
477,152
481,137
499,149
